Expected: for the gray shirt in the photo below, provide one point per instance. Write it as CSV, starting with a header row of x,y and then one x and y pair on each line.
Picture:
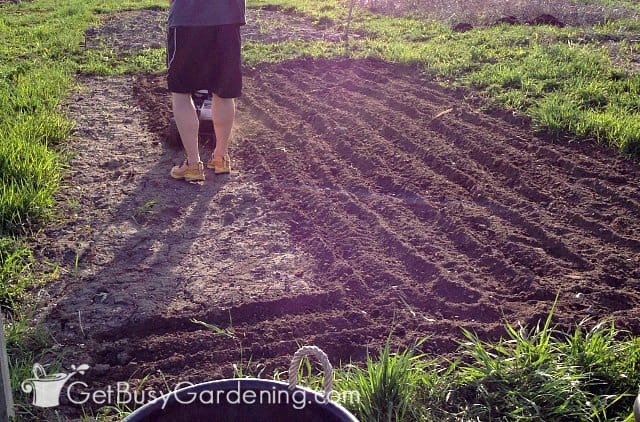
x,y
206,12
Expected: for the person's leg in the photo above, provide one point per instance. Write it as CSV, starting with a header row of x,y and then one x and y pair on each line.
x,y
184,112
180,81
224,111
226,86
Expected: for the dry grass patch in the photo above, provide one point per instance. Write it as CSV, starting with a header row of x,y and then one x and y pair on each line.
x,y
484,12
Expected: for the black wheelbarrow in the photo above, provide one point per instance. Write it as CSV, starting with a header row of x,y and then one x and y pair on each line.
x,y
249,400
203,101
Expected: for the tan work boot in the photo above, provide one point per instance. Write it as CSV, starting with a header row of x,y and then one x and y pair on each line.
x,y
188,172
220,165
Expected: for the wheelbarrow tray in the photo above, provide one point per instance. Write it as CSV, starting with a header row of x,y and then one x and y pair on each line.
x,y
241,399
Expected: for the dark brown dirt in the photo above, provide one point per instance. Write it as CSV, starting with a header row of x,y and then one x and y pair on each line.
x,y
546,19
268,26
129,31
366,200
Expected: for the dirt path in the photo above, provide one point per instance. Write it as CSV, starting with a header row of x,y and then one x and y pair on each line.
x,y
365,198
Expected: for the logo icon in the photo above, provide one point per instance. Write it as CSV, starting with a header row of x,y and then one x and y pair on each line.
x,y
47,388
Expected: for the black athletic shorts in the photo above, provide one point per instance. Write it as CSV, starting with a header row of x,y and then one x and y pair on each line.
x,y
204,57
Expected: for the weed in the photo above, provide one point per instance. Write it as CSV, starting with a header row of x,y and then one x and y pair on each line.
x,y
26,343
388,387
227,332
145,210
537,373
543,374
16,262
244,368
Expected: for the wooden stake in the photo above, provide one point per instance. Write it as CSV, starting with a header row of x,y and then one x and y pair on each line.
x,y
6,399
346,37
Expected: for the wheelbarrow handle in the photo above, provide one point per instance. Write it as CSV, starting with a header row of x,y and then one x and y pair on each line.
x,y
326,366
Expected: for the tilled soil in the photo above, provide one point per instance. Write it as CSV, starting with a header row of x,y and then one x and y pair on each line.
x,y
366,201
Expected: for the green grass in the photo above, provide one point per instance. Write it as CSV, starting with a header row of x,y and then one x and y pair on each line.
x,y
113,63
15,274
255,53
25,343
